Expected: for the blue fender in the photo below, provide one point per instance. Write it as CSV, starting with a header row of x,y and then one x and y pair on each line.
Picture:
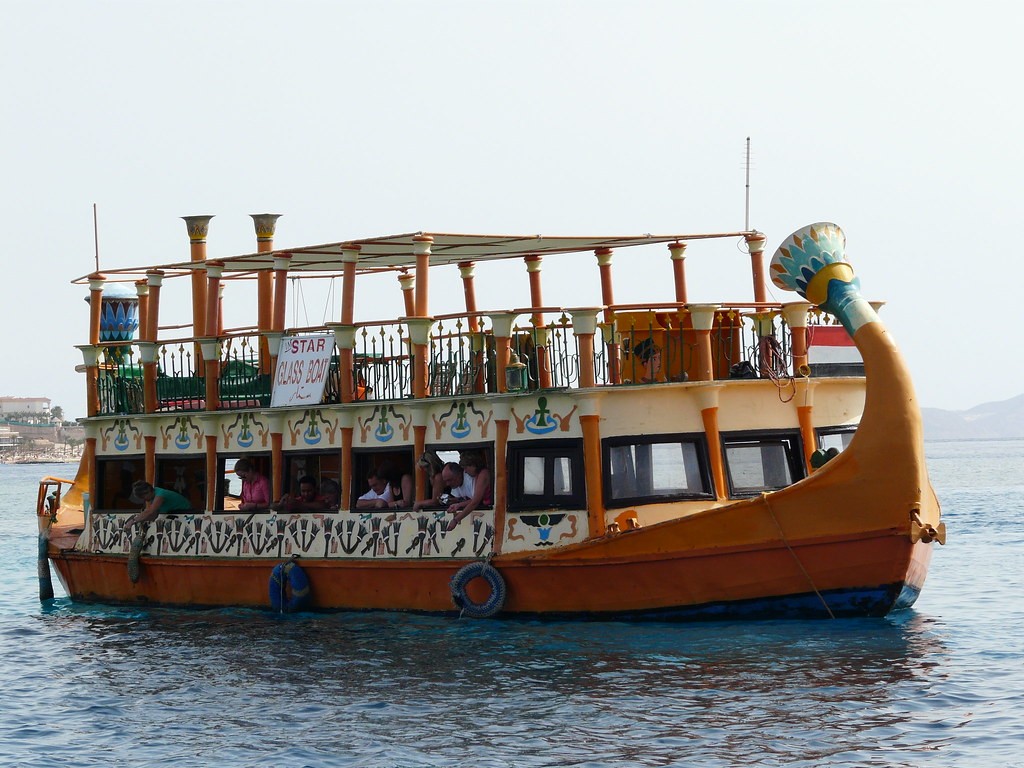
x,y
289,587
478,570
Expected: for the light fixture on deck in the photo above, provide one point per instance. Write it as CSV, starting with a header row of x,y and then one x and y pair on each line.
x,y
515,374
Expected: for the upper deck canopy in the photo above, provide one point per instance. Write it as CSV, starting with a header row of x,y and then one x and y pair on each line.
x,y
395,252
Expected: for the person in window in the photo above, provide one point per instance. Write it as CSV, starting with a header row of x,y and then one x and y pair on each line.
x,y
154,502
470,486
401,485
432,465
379,494
330,491
308,498
255,487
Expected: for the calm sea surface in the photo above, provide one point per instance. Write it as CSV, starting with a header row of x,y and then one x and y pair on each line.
x,y
941,685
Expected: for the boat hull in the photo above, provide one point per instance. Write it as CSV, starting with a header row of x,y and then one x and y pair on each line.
x,y
865,575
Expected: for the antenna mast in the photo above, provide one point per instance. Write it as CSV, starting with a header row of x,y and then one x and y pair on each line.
x,y
96,236
747,203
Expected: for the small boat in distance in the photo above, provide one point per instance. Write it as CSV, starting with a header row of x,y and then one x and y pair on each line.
x,y
666,460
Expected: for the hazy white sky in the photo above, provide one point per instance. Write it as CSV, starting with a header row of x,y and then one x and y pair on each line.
x,y
897,120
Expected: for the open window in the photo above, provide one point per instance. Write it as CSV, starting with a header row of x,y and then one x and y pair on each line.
x,y
546,474
230,489
645,470
114,478
397,464
837,438
759,462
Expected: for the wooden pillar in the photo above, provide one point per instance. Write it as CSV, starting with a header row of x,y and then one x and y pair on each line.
x,y
584,325
344,339
467,270
211,363
214,272
211,468
707,400
407,281
805,417
500,469
346,358
419,334
266,225
142,291
755,244
89,460
795,314
678,256
96,282
592,464
346,467
604,263
421,249
702,316
198,227
150,462
501,326
419,437
154,279
91,356
276,463
148,355
533,267
281,263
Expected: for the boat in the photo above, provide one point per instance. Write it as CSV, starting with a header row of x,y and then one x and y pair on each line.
x,y
668,460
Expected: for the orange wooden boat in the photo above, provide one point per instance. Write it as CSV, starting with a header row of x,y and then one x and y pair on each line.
x,y
669,460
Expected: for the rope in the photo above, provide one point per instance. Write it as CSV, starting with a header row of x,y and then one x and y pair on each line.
x,y
764,497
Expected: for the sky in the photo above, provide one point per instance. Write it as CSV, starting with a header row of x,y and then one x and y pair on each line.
x,y
899,121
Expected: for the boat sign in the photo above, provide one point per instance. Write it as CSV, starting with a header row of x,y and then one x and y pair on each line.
x,y
302,367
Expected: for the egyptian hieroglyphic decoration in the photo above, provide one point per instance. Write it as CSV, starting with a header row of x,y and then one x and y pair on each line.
x,y
122,435
343,535
461,420
544,529
545,419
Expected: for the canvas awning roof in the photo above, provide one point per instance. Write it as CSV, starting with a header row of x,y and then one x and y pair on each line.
x,y
395,252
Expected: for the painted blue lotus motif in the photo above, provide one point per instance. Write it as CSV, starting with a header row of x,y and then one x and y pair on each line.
x,y
804,253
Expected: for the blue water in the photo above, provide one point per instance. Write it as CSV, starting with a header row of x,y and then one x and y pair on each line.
x,y
940,685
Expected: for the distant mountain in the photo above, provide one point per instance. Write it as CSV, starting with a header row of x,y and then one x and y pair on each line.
x,y
1004,419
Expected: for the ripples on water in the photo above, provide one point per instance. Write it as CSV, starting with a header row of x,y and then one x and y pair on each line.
x,y
940,685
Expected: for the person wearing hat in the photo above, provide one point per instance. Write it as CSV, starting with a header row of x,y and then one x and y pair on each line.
x,y
154,500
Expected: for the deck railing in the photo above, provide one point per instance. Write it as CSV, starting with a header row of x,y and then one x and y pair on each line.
x,y
747,341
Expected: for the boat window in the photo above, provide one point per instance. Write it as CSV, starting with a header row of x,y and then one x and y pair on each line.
x,y
321,466
230,490
835,438
114,478
646,470
186,476
398,465
761,463
546,475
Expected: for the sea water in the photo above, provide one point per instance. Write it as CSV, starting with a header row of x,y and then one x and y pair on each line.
x,y
939,685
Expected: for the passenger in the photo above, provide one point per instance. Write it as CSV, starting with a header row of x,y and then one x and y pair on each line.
x,y
431,464
469,484
154,502
331,493
306,500
379,495
255,487
401,485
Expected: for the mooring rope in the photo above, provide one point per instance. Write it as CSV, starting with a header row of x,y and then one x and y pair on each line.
x,y
782,536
